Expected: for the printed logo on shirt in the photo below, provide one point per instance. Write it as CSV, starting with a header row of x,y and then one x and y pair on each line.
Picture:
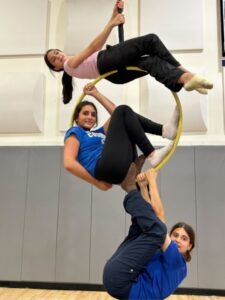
x,y
97,134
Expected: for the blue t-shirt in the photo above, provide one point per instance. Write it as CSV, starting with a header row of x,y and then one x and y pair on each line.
x,y
91,145
161,276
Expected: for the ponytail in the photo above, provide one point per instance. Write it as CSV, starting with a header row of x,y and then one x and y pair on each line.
x,y
187,256
67,91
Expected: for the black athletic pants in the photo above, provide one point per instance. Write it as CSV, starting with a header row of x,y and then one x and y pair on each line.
x,y
126,131
146,52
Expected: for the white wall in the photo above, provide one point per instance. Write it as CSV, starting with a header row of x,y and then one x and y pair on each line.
x,y
55,116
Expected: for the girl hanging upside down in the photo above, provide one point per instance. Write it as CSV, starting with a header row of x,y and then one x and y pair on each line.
x,y
150,263
103,156
145,52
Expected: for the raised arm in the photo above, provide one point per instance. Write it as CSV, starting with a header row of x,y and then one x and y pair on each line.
x,y
154,199
71,148
91,90
98,42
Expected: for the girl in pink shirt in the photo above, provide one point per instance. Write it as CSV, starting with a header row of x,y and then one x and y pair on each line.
x,y
145,52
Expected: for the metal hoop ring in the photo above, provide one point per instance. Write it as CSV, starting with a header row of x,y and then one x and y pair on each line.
x,y
176,98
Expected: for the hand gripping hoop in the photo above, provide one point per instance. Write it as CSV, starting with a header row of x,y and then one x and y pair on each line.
x,y
176,98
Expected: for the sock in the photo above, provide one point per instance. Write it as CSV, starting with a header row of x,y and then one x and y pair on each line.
x,y
202,91
157,156
169,130
197,82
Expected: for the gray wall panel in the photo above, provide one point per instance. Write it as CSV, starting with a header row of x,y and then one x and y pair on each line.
x,y
74,229
210,191
108,228
41,214
13,180
177,185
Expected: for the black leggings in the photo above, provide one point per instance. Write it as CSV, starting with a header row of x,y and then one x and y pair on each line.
x,y
126,131
146,52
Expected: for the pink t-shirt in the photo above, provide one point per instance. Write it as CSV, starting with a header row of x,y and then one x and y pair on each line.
x,y
86,70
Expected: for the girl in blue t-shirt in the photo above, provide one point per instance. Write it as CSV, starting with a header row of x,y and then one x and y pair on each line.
x,y
149,264
102,156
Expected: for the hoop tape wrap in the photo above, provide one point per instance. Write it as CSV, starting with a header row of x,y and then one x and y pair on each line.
x,y
176,98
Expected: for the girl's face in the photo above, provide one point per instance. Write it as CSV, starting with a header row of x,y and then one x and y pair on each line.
x,y
56,58
182,239
87,117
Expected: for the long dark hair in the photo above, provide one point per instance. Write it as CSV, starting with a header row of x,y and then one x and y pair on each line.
x,y
67,80
191,234
79,108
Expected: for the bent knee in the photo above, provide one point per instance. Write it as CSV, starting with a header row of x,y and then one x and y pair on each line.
x,y
163,229
123,108
153,36
157,231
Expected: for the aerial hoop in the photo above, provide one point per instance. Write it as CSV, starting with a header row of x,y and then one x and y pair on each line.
x,y
177,138
94,82
176,98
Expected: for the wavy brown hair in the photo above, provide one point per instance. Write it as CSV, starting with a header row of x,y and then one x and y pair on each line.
x,y
79,108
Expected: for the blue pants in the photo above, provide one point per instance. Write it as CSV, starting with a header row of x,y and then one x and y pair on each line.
x,y
146,52
146,236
